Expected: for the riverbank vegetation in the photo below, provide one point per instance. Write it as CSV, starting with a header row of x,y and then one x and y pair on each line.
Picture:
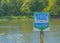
x,y
24,9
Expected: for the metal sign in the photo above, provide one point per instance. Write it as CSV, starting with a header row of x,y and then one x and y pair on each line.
x,y
41,21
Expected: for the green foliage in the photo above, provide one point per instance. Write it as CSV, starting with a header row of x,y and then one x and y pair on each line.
x,y
28,7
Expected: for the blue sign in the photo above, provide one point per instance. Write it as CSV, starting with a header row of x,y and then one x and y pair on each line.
x,y
41,20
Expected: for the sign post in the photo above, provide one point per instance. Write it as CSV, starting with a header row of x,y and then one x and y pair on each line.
x,y
41,37
41,23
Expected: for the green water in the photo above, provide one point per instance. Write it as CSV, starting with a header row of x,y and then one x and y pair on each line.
x,y
22,30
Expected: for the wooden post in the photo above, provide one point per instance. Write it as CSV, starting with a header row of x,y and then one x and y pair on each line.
x,y
41,37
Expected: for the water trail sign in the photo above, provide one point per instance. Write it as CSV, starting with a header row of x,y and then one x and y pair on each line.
x,y
41,21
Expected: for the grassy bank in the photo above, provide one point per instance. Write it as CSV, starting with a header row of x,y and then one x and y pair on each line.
x,y
3,18
53,21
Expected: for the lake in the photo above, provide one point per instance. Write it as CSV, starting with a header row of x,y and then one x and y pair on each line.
x,y
21,31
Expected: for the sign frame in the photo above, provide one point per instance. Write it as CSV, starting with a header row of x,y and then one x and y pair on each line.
x,y
47,29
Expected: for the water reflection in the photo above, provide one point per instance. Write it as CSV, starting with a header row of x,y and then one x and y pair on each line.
x,y
19,37
12,38
23,33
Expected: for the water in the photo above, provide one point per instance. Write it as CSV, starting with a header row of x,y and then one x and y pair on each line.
x,y
20,31
53,36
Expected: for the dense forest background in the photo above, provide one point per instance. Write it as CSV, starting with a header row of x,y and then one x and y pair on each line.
x,y
27,7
